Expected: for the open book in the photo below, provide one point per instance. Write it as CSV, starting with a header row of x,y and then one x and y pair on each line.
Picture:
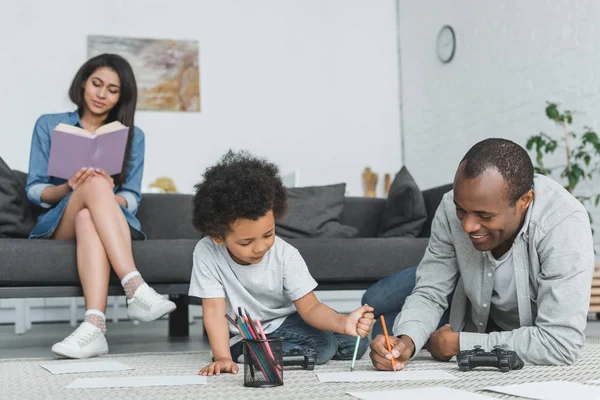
x,y
73,148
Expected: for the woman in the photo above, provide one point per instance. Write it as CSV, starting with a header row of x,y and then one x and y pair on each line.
x,y
93,208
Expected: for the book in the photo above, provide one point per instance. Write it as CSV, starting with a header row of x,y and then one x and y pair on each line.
x,y
73,148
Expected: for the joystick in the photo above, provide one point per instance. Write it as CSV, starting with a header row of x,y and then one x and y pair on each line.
x,y
504,360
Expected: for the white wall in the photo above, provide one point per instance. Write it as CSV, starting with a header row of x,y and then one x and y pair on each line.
x,y
512,56
310,84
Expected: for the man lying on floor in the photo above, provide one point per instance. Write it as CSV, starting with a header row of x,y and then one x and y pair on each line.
x,y
513,255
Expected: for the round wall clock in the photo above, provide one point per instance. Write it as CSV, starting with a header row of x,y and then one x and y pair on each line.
x,y
446,44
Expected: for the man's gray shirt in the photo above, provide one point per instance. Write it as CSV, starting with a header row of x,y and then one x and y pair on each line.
x,y
553,265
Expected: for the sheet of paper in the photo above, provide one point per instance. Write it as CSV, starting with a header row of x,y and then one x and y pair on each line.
x,y
137,381
420,394
377,376
62,367
553,390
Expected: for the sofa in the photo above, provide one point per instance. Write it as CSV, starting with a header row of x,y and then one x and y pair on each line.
x,y
44,268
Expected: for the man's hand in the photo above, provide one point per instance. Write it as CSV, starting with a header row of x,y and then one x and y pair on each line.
x,y
402,349
359,322
444,344
225,365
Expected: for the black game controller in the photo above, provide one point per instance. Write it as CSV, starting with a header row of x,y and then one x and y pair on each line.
x,y
505,360
305,361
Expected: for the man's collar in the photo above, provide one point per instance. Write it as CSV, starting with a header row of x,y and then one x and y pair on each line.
x,y
525,227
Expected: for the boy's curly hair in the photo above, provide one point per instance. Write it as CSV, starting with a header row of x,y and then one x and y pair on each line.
x,y
240,185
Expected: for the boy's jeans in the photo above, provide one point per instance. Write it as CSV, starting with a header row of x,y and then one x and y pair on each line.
x,y
300,338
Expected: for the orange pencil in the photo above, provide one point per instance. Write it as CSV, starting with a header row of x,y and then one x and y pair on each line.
x,y
387,341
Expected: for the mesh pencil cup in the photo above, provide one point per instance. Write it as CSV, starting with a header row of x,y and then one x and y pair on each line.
x,y
263,362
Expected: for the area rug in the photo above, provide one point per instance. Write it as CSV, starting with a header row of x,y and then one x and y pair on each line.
x,y
25,379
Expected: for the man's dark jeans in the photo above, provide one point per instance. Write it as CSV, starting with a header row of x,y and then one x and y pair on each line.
x,y
388,295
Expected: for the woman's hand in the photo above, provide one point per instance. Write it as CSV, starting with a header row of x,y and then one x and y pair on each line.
x,y
106,176
80,177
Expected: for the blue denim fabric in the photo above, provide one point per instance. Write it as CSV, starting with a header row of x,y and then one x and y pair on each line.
x,y
300,338
388,295
38,179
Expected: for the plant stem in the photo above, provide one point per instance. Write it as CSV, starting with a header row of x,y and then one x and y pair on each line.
x,y
568,150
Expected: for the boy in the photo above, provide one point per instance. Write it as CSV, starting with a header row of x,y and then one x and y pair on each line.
x,y
240,262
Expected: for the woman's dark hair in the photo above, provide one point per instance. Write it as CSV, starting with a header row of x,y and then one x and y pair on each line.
x,y
124,110
238,186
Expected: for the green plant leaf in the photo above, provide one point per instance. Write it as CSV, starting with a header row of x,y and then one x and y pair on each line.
x,y
597,201
552,112
541,170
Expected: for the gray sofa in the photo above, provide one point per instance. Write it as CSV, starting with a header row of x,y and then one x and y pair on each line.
x,y
43,268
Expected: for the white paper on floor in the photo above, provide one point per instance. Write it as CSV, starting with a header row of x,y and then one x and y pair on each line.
x,y
377,376
137,381
553,390
62,367
420,394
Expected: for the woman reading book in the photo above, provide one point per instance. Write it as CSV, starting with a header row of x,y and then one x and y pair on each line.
x,y
93,208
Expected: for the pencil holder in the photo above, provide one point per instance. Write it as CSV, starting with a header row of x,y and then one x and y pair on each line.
x,y
263,362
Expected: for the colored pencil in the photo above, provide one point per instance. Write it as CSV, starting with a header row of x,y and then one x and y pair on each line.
x,y
254,351
262,333
264,344
387,341
258,345
355,352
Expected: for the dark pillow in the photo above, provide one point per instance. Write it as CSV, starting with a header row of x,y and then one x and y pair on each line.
x,y
405,212
16,217
315,212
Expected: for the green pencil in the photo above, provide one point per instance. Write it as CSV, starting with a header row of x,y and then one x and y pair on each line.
x,y
355,352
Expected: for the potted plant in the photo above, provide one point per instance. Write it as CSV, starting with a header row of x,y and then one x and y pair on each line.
x,y
581,153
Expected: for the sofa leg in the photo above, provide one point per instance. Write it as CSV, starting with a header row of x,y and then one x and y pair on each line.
x,y
179,325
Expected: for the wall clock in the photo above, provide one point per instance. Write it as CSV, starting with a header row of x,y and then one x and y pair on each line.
x,y
446,44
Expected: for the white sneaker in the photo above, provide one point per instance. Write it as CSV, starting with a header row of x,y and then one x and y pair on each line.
x,y
86,341
146,305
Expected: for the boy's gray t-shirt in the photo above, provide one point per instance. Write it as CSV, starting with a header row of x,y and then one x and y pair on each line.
x,y
267,289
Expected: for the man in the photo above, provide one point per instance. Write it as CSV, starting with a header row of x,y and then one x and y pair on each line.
x,y
517,252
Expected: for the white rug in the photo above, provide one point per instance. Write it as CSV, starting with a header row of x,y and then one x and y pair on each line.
x,y
25,379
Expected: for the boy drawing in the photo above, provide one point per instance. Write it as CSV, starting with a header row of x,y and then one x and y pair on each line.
x,y
241,262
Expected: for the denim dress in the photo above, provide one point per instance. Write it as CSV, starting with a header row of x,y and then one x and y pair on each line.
x,y
38,179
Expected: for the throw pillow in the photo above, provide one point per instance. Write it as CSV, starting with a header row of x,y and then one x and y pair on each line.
x,y
16,217
315,212
405,212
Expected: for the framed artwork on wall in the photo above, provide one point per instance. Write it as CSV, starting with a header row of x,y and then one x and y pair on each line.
x,y
166,71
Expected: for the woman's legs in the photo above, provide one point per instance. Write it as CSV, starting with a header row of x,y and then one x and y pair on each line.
x,y
97,197
94,219
92,262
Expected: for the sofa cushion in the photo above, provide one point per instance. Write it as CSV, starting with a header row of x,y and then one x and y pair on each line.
x,y
363,213
360,259
16,217
363,260
315,212
36,262
404,213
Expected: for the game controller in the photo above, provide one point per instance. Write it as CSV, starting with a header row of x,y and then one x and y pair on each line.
x,y
504,360
306,361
